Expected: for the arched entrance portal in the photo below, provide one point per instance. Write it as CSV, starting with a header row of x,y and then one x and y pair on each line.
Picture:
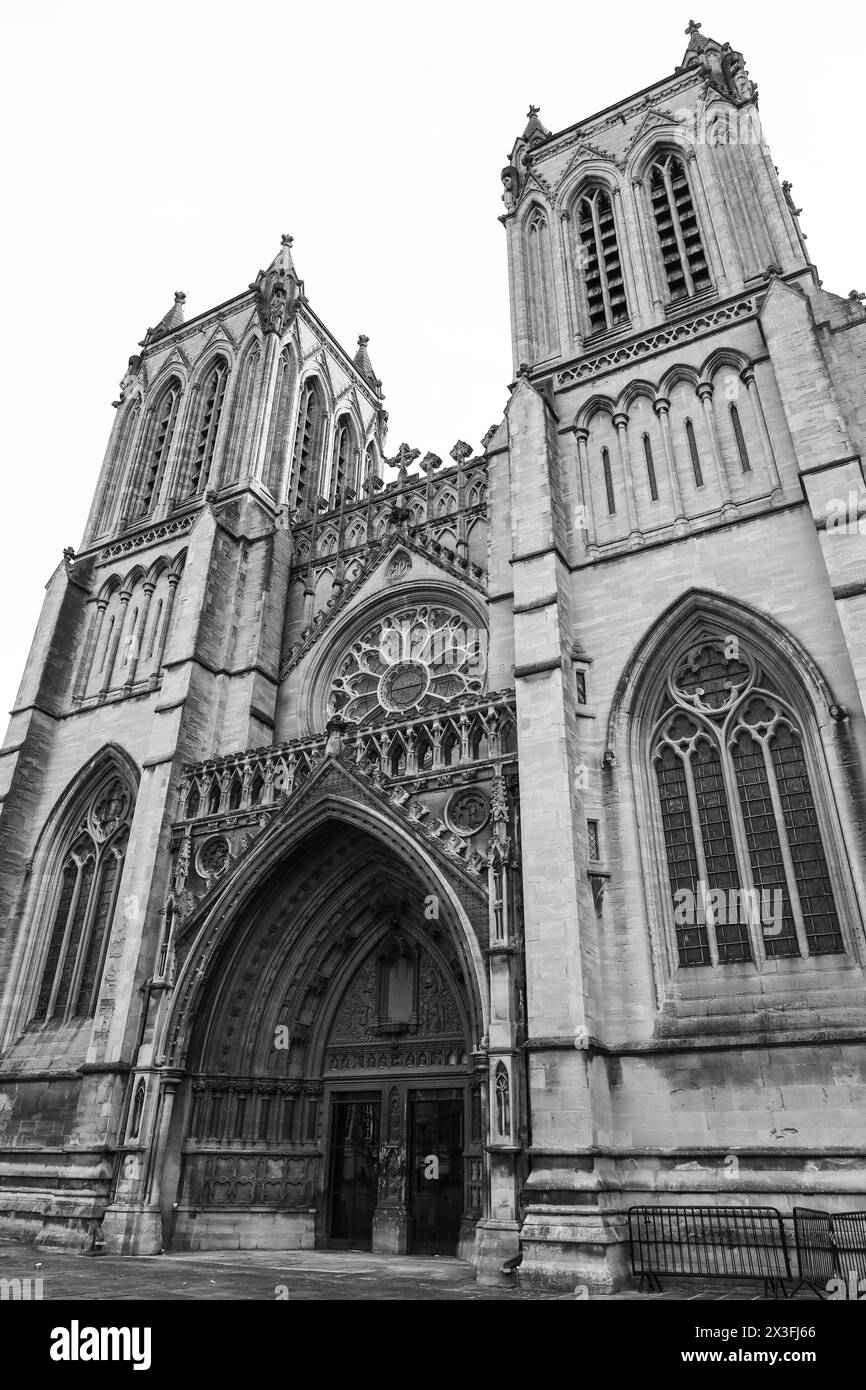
x,y
335,1089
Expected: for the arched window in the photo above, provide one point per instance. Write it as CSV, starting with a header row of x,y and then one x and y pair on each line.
x,y
502,1095
345,467
740,440
309,441
540,284
608,482
599,259
693,454
157,446
683,257
83,903
120,465
213,395
650,468
242,416
278,433
746,865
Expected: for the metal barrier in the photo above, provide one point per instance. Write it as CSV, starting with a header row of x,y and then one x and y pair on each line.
x,y
829,1247
738,1243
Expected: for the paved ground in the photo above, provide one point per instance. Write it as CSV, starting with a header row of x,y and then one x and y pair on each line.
x,y
306,1274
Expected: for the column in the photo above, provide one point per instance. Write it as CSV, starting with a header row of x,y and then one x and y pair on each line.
x,y
269,377
592,548
115,642
90,649
647,225
166,623
705,395
624,243
748,377
661,406
138,640
705,220
620,423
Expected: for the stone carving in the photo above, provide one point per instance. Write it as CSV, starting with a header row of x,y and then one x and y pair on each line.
x,y
109,810
399,566
510,183
499,801
357,1020
356,1015
642,347
213,858
467,811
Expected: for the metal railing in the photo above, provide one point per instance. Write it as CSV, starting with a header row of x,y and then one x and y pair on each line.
x,y
829,1247
740,1243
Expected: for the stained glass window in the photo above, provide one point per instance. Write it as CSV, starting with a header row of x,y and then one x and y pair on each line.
x,y
84,905
745,856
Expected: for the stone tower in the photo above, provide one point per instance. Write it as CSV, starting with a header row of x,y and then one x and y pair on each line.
x,y
687,414
450,858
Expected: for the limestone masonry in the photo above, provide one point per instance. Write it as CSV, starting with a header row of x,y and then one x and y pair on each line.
x,y
443,856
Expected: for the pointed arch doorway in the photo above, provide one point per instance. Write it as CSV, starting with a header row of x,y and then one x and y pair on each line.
x,y
403,1114
335,1090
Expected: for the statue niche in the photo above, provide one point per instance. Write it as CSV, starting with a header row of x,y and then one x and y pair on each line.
x,y
400,1010
397,986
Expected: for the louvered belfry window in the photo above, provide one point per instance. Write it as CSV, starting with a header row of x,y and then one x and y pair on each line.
x,y
307,457
600,261
83,908
344,463
683,256
158,445
745,856
205,443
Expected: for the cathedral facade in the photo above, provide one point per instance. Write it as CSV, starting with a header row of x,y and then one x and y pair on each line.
x,y
443,856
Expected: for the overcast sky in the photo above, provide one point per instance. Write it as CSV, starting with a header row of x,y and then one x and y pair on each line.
x,y
150,148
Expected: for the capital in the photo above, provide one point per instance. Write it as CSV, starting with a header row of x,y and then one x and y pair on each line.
x,y
705,390
620,421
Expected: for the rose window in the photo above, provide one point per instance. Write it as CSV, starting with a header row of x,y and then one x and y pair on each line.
x,y
412,661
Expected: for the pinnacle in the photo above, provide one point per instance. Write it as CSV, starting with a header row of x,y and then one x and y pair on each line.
x,y
535,129
363,363
282,262
173,319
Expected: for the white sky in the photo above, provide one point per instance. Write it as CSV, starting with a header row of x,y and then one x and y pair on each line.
x,y
149,148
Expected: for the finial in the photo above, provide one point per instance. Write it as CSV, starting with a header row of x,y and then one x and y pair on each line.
x,y
533,111
179,297
692,28
363,340
286,240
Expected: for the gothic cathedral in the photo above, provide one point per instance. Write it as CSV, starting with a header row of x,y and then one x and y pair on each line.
x,y
444,856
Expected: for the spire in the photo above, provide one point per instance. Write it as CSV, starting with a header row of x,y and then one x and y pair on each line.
x,y
167,324
721,65
282,263
364,365
535,129
278,290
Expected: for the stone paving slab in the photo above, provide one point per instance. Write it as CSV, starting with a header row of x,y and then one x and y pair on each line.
x,y
322,1275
